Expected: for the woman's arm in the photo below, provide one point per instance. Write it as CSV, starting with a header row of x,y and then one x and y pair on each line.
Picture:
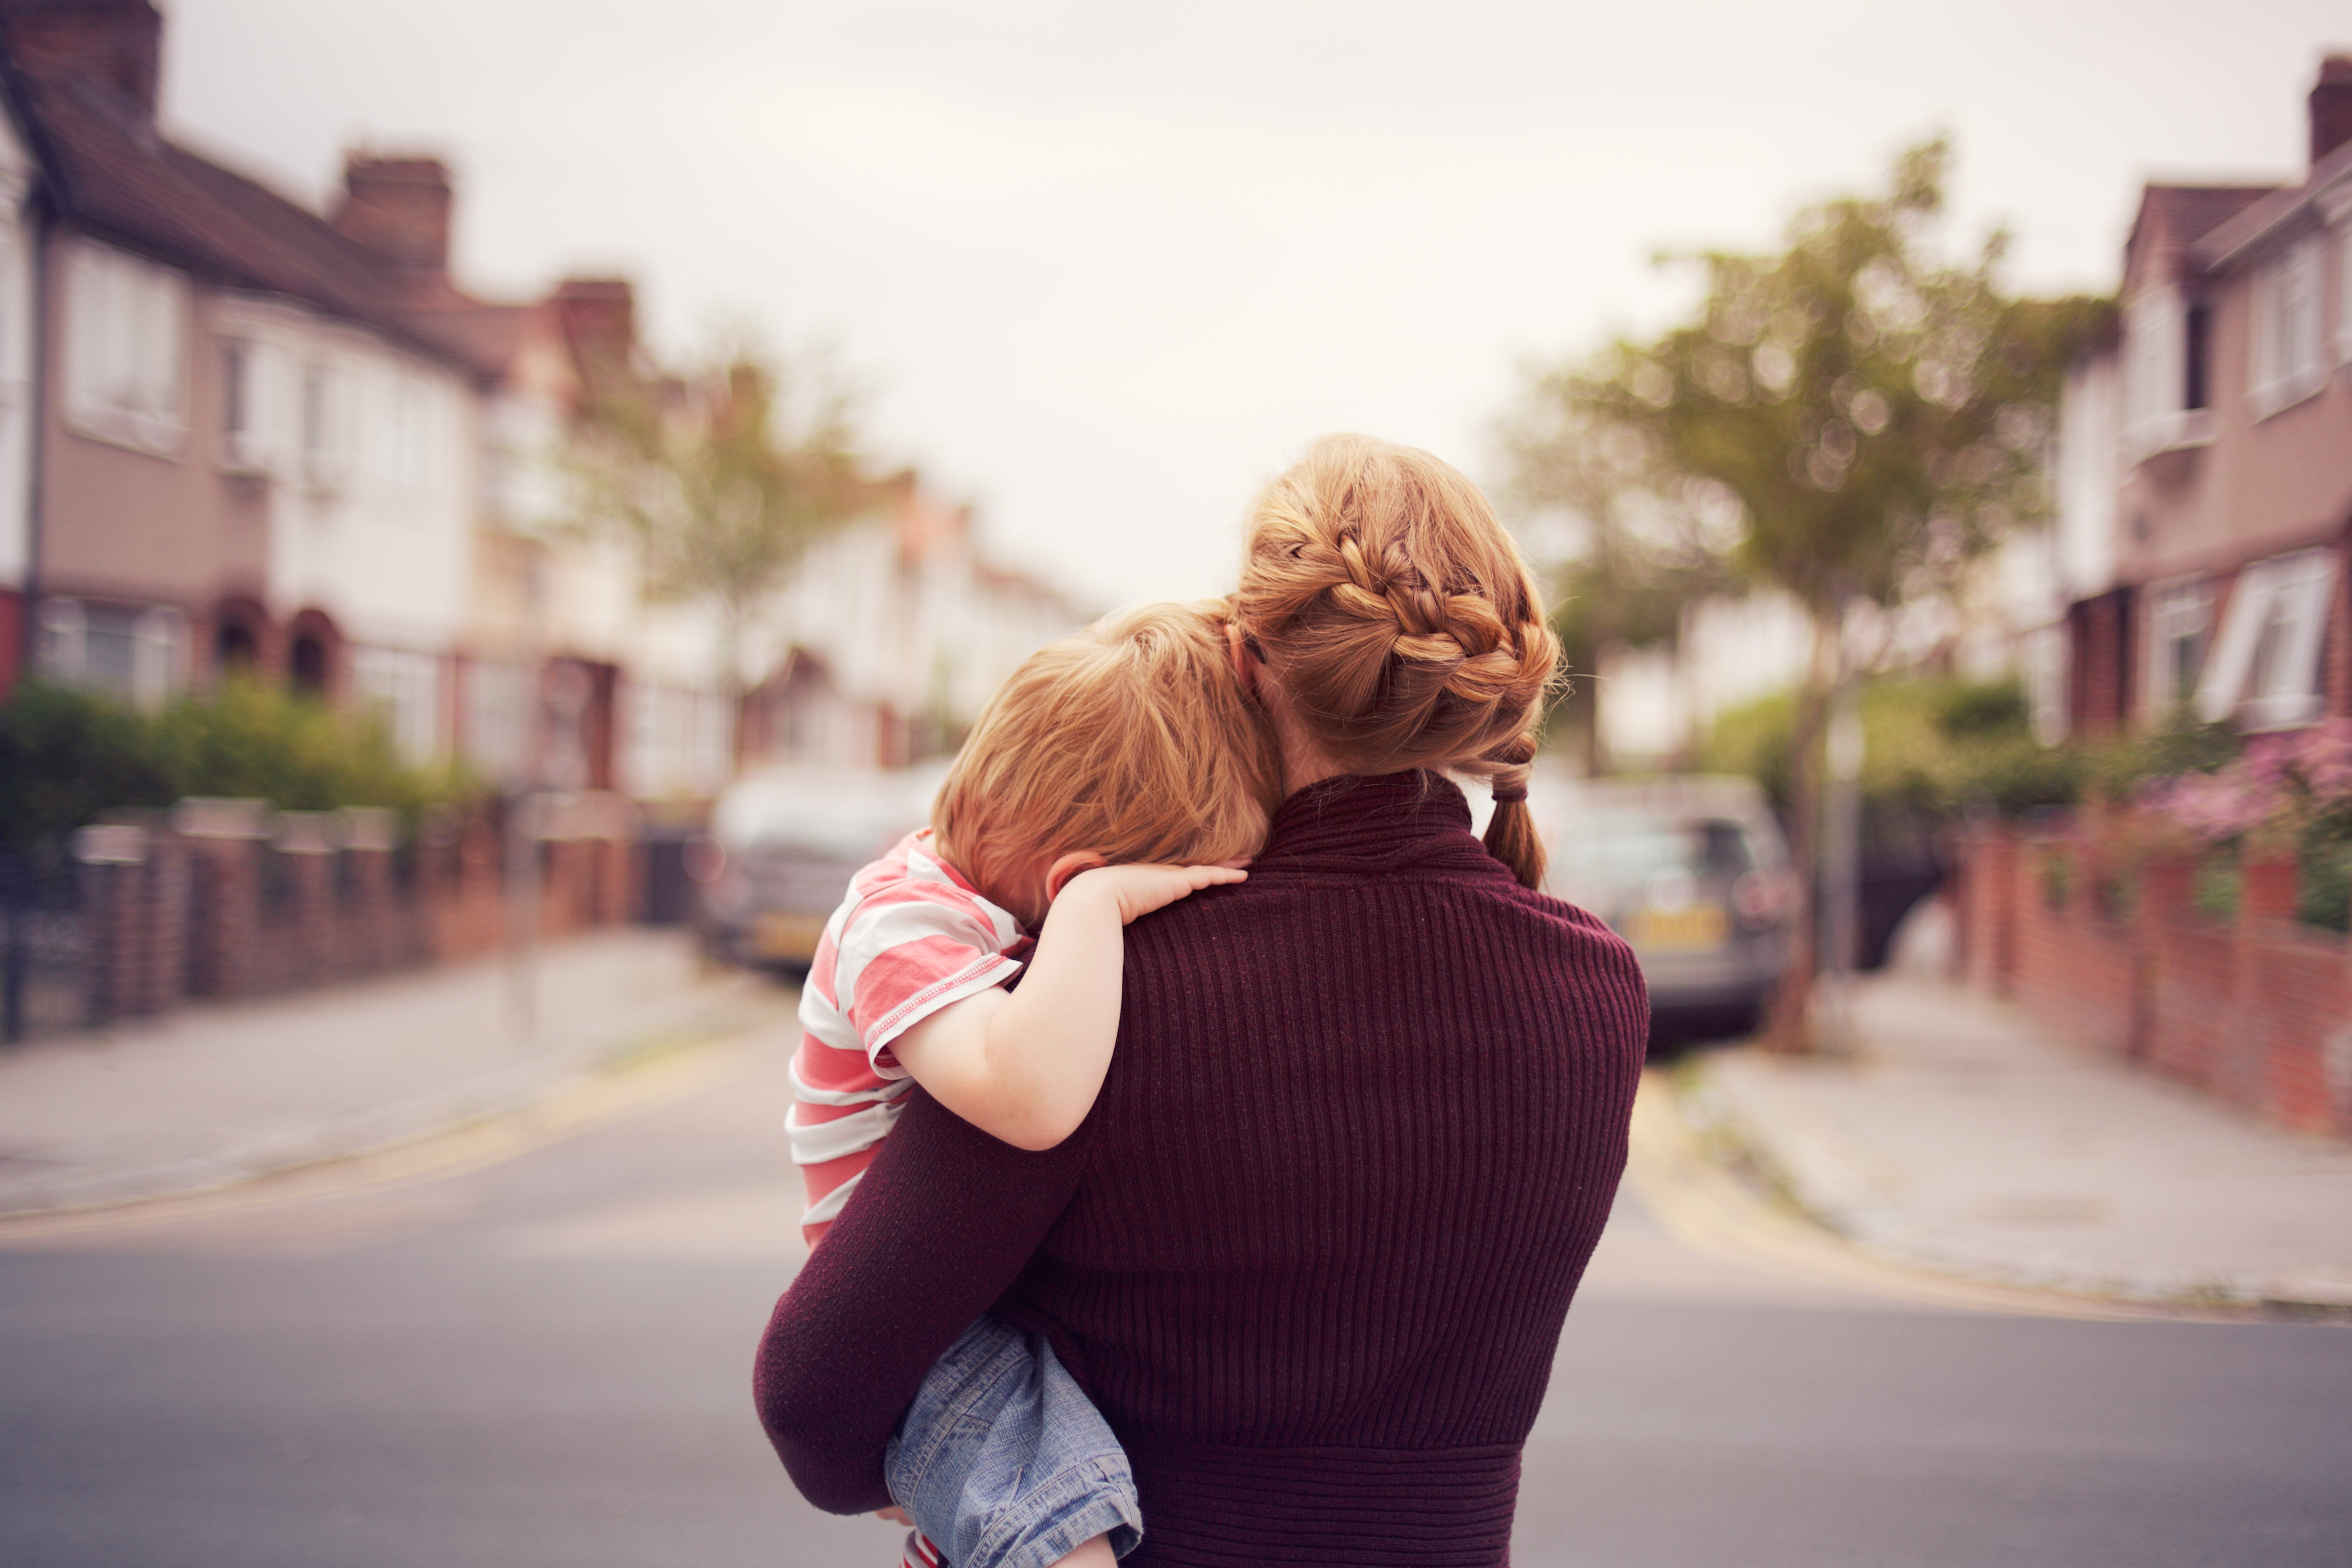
x,y
941,1225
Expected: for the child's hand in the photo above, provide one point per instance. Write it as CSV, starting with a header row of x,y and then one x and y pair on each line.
x,y
1139,890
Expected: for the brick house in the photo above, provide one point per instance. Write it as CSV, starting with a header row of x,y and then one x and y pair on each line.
x,y
2206,459
245,452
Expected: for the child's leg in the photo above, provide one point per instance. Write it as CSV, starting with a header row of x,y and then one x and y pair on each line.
x,y
1004,1462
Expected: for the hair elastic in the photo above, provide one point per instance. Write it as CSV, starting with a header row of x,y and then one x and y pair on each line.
x,y
1505,794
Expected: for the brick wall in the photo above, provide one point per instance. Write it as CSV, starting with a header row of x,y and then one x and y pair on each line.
x,y
2105,943
228,898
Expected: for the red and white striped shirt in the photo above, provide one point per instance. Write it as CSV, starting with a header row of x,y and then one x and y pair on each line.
x,y
911,937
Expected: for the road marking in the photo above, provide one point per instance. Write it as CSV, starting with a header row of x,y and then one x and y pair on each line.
x,y
1711,1211
595,1101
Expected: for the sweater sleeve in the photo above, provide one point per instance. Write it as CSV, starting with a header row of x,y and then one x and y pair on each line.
x,y
943,1222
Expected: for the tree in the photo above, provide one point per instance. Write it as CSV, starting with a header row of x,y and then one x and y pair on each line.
x,y
722,480
1850,420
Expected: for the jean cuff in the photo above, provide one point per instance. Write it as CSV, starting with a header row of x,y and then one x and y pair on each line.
x,y
1063,1514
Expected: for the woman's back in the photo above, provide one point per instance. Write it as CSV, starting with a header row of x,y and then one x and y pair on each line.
x,y
1363,1129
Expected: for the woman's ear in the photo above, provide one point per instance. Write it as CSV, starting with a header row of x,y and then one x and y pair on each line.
x,y
1059,873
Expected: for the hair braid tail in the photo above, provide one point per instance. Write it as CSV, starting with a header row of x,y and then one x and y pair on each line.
x,y
1511,835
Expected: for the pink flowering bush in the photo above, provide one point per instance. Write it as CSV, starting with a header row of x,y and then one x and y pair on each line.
x,y
2285,785
2291,790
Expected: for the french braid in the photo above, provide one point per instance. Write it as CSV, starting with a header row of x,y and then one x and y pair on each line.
x,y
1402,625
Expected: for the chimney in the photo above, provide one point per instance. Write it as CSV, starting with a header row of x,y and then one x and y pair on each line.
x,y
400,208
600,320
118,42
2331,107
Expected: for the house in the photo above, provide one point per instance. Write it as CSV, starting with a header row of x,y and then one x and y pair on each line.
x,y
891,637
260,437
239,433
242,451
2205,459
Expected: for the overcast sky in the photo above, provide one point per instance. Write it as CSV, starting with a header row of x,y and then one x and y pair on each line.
x,y
1102,268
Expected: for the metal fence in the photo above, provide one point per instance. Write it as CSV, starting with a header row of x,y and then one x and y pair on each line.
x,y
45,943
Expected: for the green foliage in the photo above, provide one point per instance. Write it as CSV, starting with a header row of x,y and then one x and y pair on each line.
x,y
2323,893
65,756
723,480
1985,709
1848,416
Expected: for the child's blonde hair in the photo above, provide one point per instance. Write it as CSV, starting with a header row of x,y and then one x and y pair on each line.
x,y
1133,739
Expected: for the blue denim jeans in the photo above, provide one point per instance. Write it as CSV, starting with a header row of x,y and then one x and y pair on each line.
x,y
1004,1462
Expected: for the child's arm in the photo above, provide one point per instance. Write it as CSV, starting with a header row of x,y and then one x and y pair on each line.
x,y
1025,1066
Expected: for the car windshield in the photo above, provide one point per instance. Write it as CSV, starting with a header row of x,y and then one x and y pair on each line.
x,y
1625,850
852,822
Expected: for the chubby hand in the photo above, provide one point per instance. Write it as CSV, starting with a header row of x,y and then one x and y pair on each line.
x,y
1138,889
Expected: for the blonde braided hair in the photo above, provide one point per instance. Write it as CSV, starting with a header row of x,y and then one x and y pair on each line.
x,y
1401,623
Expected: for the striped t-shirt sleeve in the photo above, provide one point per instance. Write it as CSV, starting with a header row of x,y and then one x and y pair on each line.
x,y
907,950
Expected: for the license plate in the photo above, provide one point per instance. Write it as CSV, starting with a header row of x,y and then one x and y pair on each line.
x,y
1701,925
792,937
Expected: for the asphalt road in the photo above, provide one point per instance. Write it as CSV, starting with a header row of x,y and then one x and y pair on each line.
x,y
536,1350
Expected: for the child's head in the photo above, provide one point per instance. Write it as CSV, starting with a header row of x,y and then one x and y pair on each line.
x,y
1133,740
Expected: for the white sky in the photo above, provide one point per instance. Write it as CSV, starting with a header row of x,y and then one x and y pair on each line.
x,y
1101,269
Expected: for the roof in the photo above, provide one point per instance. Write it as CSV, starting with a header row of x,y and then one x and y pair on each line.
x,y
2252,225
2172,218
113,173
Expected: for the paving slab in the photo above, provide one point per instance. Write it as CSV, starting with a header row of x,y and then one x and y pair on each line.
x,y
1960,1138
215,1094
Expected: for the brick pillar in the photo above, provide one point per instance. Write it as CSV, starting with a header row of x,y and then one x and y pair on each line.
x,y
371,915
2271,888
224,840
2267,895
307,841
111,859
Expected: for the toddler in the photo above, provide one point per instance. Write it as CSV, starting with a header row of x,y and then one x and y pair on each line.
x,y
1114,773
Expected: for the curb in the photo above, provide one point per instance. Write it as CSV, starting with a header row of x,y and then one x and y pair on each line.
x,y
1839,1182
377,1130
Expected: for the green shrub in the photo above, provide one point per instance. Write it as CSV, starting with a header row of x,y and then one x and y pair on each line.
x,y
65,756
2323,892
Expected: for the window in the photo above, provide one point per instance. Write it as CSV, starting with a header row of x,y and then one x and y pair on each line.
x,y
126,323
497,720
406,432
404,690
2264,669
133,654
2343,293
2166,380
680,740
326,438
244,447
2180,615
2286,337
2197,379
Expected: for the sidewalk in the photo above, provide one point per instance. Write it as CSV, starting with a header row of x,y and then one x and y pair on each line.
x,y
210,1096
1957,1140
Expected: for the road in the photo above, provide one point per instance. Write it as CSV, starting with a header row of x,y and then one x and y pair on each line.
x,y
530,1345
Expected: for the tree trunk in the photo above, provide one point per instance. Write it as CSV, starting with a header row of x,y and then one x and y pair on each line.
x,y
1788,1016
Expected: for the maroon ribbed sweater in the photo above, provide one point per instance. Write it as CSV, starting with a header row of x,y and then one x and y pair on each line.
x,y
1311,1251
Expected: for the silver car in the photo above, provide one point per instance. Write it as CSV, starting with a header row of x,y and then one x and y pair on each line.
x,y
1693,872
782,846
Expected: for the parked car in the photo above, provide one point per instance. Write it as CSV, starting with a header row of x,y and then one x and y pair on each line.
x,y
1693,872
782,846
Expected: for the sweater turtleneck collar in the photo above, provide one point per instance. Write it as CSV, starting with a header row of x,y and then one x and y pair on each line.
x,y
1380,818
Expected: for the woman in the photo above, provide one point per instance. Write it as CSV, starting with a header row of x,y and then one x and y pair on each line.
x,y
1311,1252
